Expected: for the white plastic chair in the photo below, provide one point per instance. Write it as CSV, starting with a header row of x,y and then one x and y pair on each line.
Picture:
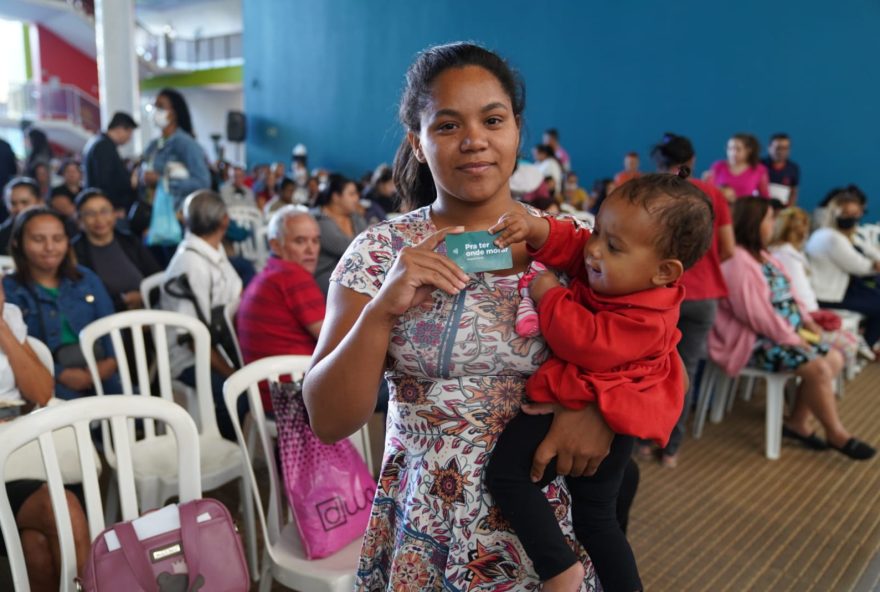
x,y
221,460
283,556
150,284
719,389
229,312
256,247
43,352
7,264
76,415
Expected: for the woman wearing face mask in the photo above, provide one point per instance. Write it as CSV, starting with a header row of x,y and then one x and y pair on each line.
x,y
175,156
338,216
841,267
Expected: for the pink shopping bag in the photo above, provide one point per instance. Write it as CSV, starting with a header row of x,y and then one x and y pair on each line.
x,y
328,485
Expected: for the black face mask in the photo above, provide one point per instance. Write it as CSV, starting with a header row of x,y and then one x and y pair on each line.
x,y
847,223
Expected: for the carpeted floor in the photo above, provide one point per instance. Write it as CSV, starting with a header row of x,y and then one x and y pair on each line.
x,y
729,519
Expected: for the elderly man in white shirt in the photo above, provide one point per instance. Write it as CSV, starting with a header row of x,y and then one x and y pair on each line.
x,y
213,282
840,269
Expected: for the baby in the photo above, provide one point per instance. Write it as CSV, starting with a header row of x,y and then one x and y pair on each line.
x,y
613,338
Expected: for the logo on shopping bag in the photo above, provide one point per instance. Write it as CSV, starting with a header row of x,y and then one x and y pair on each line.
x,y
334,512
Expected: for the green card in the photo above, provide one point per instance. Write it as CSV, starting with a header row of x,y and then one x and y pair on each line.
x,y
476,251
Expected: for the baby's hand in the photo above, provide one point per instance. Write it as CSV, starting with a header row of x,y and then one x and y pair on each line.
x,y
542,283
514,227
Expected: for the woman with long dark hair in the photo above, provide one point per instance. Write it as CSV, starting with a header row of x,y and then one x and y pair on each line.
x,y
445,341
338,214
175,157
58,298
742,173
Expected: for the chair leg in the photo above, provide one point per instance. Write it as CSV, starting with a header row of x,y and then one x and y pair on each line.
x,y
750,388
250,529
775,399
266,579
704,396
731,395
111,508
724,389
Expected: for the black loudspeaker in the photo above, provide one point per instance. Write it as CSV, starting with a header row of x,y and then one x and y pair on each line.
x,y
236,126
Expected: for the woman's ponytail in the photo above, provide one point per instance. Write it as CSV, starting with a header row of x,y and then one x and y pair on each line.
x,y
413,180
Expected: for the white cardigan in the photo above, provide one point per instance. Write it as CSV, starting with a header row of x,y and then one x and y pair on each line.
x,y
833,259
798,269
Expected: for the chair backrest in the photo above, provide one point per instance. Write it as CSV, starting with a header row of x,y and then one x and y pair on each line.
x,y
164,325
43,352
120,412
151,286
246,382
256,247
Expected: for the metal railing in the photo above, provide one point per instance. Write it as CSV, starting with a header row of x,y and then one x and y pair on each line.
x,y
169,51
57,102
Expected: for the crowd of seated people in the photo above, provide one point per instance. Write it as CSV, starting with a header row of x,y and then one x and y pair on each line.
x,y
80,254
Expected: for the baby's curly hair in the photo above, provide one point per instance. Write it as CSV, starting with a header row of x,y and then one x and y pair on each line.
x,y
683,213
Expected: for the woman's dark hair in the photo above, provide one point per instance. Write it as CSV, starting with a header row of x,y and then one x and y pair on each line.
x,y
66,163
181,111
748,213
751,145
382,174
672,151
845,192
413,179
87,194
284,182
40,149
335,184
34,166
16,246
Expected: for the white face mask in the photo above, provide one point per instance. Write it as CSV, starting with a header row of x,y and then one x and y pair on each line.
x,y
160,118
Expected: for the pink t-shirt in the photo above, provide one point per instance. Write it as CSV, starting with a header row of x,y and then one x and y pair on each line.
x,y
752,181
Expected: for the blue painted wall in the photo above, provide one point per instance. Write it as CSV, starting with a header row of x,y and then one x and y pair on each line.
x,y
612,75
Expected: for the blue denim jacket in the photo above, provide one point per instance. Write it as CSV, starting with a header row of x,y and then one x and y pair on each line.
x,y
81,301
180,147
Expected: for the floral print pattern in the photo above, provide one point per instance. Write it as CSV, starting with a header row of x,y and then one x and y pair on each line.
x,y
456,373
769,355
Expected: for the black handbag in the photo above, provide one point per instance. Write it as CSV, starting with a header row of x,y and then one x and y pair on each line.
x,y
71,355
139,215
221,333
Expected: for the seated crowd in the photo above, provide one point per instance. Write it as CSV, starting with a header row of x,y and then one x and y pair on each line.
x,y
763,296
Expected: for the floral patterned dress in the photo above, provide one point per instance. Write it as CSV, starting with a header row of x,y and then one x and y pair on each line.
x,y
456,373
769,355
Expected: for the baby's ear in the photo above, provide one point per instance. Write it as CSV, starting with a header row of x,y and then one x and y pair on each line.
x,y
668,271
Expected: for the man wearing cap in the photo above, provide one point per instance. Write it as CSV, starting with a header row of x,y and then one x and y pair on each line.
x,y
103,166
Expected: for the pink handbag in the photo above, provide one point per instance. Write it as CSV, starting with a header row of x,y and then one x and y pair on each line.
x,y
328,485
160,552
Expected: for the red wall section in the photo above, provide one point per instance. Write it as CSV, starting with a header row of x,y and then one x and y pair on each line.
x,y
60,59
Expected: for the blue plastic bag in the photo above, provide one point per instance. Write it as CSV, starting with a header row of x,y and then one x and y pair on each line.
x,y
164,227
